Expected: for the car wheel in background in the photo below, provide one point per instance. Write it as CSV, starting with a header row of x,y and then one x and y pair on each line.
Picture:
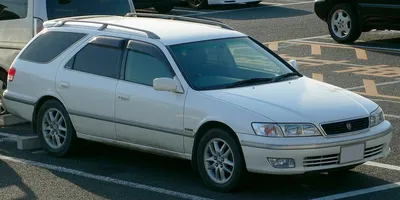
x,y
55,129
197,4
220,161
343,24
164,8
253,3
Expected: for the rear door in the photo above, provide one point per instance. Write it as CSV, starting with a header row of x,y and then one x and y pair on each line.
x,y
381,13
87,84
15,28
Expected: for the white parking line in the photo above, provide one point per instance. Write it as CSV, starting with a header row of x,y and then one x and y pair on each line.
x,y
378,84
360,192
252,8
393,116
350,45
102,178
381,165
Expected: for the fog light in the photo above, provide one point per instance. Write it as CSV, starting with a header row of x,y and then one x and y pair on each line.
x,y
281,162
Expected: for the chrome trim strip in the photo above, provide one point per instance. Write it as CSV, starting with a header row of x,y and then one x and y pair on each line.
x,y
91,116
134,124
24,101
315,146
142,148
377,5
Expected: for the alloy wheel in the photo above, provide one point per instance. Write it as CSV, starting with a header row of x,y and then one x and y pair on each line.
x,y
341,23
219,161
54,128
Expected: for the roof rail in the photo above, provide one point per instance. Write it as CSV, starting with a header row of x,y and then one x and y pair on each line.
x,y
105,25
181,18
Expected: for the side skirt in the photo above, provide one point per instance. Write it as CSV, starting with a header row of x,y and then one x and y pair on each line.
x,y
137,147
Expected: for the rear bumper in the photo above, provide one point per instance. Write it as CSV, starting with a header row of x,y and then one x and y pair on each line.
x,y
316,156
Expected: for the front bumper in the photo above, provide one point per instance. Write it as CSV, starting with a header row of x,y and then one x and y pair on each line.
x,y
313,154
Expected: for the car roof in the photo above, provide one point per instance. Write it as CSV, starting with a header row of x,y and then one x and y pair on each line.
x,y
169,31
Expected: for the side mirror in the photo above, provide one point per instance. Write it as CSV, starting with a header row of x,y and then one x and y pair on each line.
x,y
167,84
293,63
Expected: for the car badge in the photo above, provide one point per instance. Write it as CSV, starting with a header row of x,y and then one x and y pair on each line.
x,y
348,125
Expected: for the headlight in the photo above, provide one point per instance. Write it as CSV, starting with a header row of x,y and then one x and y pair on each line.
x,y
285,130
376,117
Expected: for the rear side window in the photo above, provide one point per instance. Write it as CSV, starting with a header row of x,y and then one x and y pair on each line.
x,y
49,45
99,60
69,8
13,9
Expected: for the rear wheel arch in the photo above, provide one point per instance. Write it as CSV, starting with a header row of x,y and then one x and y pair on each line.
x,y
203,129
37,107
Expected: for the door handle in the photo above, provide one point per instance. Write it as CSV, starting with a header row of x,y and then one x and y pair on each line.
x,y
63,84
124,97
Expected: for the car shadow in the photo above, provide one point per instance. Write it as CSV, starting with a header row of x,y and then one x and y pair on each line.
x,y
11,184
176,174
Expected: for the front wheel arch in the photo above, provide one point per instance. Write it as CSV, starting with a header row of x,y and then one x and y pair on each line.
x,y
203,130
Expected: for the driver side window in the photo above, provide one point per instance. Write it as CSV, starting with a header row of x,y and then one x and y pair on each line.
x,y
146,62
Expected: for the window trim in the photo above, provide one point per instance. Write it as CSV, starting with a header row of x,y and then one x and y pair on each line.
x,y
61,53
148,44
103,44
24,18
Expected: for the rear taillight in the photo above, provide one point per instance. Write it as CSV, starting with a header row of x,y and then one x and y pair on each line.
x,y
11,74
38,25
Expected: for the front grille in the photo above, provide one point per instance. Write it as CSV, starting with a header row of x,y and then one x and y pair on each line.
x,y
373,151
316,161
342,127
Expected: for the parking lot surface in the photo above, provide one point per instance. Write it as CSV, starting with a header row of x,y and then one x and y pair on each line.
x,y
369,67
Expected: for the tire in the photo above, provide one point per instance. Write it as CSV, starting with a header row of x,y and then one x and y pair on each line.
x,y
69,143
238,171
164,8
197,5
352,28
253,3
3,78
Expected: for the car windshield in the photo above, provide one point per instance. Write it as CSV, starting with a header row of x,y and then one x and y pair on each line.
x,y
69,8
227,63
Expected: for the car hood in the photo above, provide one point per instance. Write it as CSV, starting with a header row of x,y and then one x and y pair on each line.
x,y
299,100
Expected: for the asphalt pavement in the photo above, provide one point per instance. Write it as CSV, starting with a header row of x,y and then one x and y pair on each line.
x,y
369,67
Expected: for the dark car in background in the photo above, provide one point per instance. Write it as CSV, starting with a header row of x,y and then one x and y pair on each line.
x,y
161,6
347,19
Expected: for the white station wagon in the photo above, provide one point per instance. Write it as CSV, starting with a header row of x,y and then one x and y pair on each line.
x,y
188,88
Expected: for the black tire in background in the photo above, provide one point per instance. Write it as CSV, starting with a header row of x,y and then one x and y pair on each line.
x,y
70,144
163,8
355,30
197,4
239,169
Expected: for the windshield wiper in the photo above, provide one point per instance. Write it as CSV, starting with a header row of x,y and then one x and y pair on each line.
x,y
283,76
250,81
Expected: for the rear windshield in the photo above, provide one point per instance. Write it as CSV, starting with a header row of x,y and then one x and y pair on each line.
x,y
13,9
70,8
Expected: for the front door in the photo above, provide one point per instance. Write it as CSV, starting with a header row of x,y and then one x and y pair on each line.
x,y
143,115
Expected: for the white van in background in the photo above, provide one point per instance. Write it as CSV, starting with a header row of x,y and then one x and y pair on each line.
x,y
21,20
